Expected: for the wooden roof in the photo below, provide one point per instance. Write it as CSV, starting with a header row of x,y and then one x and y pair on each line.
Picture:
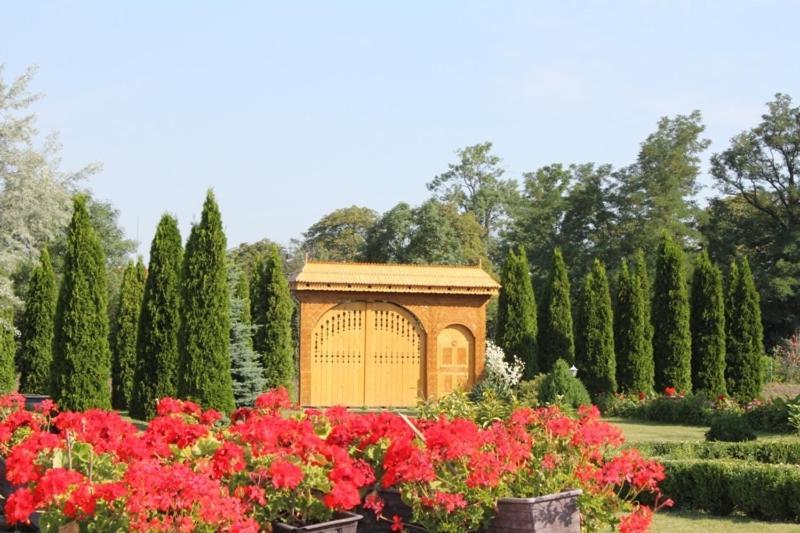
x,y
379,277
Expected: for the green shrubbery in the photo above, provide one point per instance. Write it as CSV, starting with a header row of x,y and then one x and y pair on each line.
x,y
730,427
770,492
770,452
562,388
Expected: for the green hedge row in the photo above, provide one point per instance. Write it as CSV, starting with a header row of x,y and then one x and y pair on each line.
x,y
697,410
775,452
769,492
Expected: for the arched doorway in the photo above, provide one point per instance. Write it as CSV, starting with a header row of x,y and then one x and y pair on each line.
x,y
367,353
456,359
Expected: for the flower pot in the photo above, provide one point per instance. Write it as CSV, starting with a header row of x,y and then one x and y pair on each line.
x,y
553,513
32,400
393,504
343,523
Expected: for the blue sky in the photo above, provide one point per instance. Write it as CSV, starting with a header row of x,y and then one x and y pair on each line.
x,y
291,110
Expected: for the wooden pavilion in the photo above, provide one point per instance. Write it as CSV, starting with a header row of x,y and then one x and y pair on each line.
x,y
389,334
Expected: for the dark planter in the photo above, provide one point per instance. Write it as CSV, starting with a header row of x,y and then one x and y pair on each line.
x,y
32,400
553,513
393,504
344,523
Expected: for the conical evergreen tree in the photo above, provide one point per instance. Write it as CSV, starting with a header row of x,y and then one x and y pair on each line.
x,y
555,319
274,306
8,347
36,351
672,341
642,273
631,333
595,333
516,312
124,332
156,371
745,334
204,366
81,368
246,370
708,328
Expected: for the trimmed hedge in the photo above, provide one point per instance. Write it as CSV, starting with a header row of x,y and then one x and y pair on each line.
x,y
769,492
768,452
697,410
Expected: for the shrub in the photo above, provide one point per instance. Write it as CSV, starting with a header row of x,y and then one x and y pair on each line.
x,y
594,343
772,416
562,388
730,427
786,360
516,312
501,376
528,391
770,492
769,452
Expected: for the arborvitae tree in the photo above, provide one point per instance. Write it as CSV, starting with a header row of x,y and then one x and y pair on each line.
x,y
631,333
595,333
273,308
516,312
246,369
641,272
8,347
124,332
204,369
81,368
156,372
708,328
672,341
745,334
555,320
36,352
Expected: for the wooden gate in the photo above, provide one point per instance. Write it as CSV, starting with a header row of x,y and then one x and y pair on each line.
x,y
368,354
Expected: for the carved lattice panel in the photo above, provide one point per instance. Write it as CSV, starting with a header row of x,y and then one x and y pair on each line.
x,y
456,364
395,350
337,360
367,354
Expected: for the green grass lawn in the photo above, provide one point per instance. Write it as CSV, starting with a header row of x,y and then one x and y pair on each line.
x,y
692,521
642,431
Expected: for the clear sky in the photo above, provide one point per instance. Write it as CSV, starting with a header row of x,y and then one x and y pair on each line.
x,y
290,110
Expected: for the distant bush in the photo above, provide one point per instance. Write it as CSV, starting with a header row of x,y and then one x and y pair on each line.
x,y
786,360
528,391
770,492
771,416
562,388
769,452
730,427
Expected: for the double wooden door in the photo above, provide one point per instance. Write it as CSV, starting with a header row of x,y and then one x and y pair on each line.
x,y
367,354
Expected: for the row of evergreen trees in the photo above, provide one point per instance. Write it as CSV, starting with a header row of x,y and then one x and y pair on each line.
x,y
183,326
648,338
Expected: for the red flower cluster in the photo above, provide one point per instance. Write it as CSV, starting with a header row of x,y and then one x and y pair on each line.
x,y
187,471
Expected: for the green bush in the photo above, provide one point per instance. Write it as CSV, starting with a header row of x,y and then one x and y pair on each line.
x,y
562,388
730,427
528,391
770,492
772,416
693,410
769,452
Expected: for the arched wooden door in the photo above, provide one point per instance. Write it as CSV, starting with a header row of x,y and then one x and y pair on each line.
x,y
367,354
456,368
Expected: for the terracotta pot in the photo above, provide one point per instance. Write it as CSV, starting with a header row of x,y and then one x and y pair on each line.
x,y
344,523
553,513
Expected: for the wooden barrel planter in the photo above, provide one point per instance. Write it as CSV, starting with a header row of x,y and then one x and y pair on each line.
x,y
344,523
553,513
